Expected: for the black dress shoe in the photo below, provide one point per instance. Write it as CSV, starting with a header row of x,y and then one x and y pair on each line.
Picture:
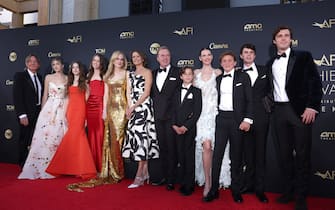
x,y
159,183
211,196
247,190
170,187
262,197
237,197
186,191
301,204
285,198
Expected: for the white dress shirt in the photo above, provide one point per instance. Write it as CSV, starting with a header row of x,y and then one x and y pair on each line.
x,y
38,84
226,91
279,70
253,74
161,77
184,91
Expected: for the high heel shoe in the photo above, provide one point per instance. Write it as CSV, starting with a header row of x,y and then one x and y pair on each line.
x,y
146,178
137,182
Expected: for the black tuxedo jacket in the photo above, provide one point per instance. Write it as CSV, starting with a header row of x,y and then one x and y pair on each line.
x,y
24,95
163,99
187,112
303,84
242,95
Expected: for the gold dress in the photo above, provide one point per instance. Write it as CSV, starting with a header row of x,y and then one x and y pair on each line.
x,y
115,123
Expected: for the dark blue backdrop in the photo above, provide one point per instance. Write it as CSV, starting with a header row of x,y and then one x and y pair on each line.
x,y
185,33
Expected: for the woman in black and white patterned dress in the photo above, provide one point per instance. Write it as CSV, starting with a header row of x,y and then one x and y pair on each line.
x,y
141,142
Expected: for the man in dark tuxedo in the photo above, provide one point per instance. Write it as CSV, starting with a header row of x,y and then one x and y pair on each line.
x,y
166,81
255,139
27,94
297,93
233,120
187,108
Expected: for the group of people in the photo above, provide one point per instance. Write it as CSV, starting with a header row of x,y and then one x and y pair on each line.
x,y
209,125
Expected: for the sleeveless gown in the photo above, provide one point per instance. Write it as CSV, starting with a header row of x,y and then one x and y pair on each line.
x,y
115,124
141,141
206,130
49,131
95,124
73,156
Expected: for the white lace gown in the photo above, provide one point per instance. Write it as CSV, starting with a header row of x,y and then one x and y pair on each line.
x,y
206,130
49,131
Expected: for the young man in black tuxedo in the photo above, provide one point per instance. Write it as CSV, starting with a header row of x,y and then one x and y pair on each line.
x,y
297,93
27,94
166,82
255,139
187,108
233,120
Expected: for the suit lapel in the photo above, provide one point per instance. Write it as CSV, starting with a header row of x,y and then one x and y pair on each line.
x,y
291,62
28,78
187,93
167,79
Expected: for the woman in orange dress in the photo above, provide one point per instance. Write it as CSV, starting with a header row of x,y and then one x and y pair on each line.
x,y
96,104
73,156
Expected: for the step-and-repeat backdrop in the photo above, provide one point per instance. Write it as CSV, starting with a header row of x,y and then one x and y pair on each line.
x,y
185,34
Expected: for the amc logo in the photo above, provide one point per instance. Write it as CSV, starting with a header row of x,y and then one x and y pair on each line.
x,y
325,60
330,175
183,63
184,31
325,24
327,135
127,35
75,39
34,42
253,27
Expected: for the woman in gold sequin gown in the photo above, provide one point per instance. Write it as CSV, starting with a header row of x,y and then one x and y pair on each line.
x,y
112,169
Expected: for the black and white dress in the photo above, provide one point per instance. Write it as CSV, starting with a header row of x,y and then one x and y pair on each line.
x,y
141,141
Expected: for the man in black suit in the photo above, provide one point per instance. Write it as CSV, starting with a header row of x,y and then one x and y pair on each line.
x,y
297,93
234,119
166,81
27,94
187,108
255,139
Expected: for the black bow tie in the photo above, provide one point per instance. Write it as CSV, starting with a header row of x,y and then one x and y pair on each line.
x,y
160,70
282,55
226,75
249,69
184,88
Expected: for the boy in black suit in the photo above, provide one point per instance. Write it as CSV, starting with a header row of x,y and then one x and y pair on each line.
x,y
234,118
187,105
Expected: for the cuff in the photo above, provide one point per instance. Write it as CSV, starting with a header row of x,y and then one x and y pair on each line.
x,y
248,120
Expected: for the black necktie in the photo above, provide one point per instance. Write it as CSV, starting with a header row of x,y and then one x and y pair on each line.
x,y
249,69
36,88
282,55
226,75
160,70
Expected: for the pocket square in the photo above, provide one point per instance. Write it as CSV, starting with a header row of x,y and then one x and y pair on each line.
x,y
238,84
172,78
264,76
190,96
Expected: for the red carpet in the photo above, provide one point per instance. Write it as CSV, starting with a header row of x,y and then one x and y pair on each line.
x,y
52,194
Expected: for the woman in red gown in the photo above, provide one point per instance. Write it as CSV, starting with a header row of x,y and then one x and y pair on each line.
x,y
95,107
73,156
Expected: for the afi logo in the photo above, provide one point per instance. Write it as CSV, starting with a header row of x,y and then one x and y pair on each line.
x,y
184,31
325,24
326,175
75,39
325,61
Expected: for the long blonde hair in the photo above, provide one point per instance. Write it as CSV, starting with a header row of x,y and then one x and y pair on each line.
x,y
111,67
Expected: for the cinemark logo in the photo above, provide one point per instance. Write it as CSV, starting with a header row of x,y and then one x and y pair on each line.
x,y
325,24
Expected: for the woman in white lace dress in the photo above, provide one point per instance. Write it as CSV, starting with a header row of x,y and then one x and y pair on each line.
x,y
205,79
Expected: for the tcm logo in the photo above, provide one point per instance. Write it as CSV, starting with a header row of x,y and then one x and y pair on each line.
x,y
101,51
253,27
34,42
295,42
325,24
325,61
127,35
154,48
54,54
184,31
12,56
75,39
8,134
183,63
327,135
10,108
326,175
9,82
214,46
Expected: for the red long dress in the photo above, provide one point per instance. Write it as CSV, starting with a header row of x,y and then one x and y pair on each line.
x,y
95,123
73,156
